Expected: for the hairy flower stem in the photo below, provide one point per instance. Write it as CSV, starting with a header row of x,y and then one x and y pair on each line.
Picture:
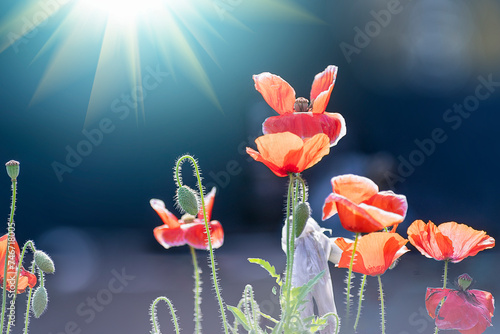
x,y
10,235
351,263
197,292
382,312
445,278
361,291
28,304
27,244
207,229
154,320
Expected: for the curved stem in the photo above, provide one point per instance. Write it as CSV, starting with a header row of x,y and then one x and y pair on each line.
x,y
382,313
349,275
10,233
361,291
445,278
28,303
154,320
13,301
207,229
337,320
197,292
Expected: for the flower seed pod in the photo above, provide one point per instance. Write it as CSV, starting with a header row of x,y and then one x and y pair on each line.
x,y
12,169
464,281
302,213
44,262
39,301
188,200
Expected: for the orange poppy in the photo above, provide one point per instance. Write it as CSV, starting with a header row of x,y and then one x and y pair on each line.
x,y
468,311
361,207
297,115
375,252
187,230
448,241
26,279
286,152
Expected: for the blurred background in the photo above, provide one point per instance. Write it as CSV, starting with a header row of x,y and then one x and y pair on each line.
x,y
99,99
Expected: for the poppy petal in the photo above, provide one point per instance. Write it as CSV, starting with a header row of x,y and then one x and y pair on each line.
x,y
429,240
433,298
354,187
389,201
306,125
166,216
329,208
276,91
313,151
169,237
209,204
273,167
324,82
196,235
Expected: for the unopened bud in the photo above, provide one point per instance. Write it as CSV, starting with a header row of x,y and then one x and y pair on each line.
x,y
464,281
188,200
12,169
44,262
302,213
39,301
301,104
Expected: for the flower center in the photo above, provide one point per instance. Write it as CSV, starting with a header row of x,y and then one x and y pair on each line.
x,y
187,218
301,104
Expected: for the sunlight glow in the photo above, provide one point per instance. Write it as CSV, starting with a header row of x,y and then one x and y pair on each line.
x,y
123,10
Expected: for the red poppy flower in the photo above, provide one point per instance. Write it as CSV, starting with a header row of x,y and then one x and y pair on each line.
x,y
187,230
375,252
448,241
361,207
286,152
468,311
25,277
296,115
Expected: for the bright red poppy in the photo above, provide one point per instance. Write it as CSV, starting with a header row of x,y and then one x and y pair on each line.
x,y
286,152
468,311
187,230
361,207
375,252
297,115
448,241
26,279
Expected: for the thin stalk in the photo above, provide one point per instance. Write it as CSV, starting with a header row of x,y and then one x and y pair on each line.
x,y
10,232
207,228
361,291
445,278
197,292
154,320
28,304
13,301
351,263
382,313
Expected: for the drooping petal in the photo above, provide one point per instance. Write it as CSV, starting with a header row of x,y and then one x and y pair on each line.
x,y
209,204
276,91
26,279
166,216
196,236
322,88
306,125
466,240
169,237
429,240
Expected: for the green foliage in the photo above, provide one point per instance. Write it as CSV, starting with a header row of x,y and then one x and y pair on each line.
x,y
267,266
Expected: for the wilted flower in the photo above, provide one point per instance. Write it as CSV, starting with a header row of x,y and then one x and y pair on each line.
x,y
361,207
187,230
448,241
286,152
296,115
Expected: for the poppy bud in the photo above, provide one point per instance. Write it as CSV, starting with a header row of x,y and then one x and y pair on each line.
x,y
44,262
302,213
39,301
301,104
464,281
12,169
188,200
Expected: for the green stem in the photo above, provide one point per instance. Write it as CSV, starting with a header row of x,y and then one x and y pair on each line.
x,y
349,275
10,233
28,303
361,291
382,313
207,228
154,320
337,320
13,301
197,292
445,279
